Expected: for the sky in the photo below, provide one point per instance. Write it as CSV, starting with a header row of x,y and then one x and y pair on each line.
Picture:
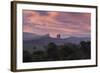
x,y
53,22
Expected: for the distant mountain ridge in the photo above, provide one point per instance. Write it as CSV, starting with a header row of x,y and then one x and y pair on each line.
x,y
34,37
31,36
30,40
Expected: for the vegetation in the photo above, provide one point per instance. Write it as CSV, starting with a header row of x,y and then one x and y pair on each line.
x,y
53,52
27,56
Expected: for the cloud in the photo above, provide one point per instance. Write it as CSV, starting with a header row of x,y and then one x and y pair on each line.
x,y
64,23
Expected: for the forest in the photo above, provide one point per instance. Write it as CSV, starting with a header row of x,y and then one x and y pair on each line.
x,y
53,52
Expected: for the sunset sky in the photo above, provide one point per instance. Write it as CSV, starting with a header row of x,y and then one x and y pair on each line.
x,y
50,22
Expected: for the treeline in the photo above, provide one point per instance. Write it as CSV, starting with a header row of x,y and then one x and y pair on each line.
x,y
54,52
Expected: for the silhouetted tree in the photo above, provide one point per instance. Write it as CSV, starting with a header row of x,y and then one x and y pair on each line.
x,y
71,51
39,56
66,51
26,56
86,47
52,51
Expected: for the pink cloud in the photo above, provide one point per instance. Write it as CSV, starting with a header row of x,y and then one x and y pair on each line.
x,y
57,22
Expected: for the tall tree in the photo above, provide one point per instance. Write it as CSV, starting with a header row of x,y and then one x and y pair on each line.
x,y
53,52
